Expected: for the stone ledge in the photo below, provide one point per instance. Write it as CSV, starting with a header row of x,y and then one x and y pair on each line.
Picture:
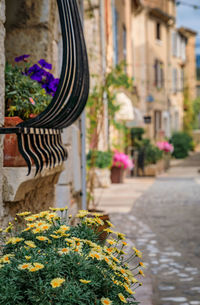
x,y
16,183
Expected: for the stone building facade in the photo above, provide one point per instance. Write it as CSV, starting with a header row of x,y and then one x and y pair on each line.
x,y
32,27
159,70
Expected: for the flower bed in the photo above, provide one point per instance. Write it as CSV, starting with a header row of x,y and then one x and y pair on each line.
x,y
44,260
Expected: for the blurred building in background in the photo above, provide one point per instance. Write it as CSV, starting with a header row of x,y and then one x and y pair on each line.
x,y
160,58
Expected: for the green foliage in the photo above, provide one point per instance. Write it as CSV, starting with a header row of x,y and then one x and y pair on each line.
x,y
137,133
182,143
19,89
105,92
52,262
102,159
196,113
188,113
152,153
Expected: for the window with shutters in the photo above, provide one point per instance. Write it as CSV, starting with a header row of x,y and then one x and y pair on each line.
x,y
124,46
174,43
158,31
115,36
174,80
159,74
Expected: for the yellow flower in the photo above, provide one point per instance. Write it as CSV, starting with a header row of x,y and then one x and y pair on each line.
x,y
43,213
122,298
110,241
57,282
37,230
124,243
38,266
23,214
141,272
142,265
32,269
110,224
27,257
14,240
95,255
106,301
51,216
63,251
108,230
120,235
82,213
24,266
30,243
55,236
30,218
8,229
137,252
6,258
45,227
128,289
42,238
85,281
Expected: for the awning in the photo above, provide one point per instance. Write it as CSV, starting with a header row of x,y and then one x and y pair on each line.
x,y
138,120
39,139
125,112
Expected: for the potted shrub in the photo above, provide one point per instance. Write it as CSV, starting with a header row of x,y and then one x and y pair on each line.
x,y
182,143
48,261
167,149
28,91
101,161
150,161
121,162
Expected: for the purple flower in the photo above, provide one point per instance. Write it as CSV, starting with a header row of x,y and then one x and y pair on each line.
x,y
45,64
21,58
36,73
54,84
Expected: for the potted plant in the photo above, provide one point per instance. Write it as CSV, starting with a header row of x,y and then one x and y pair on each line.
x,y
121,162
149,161
45,260
101,161
28,91
167,149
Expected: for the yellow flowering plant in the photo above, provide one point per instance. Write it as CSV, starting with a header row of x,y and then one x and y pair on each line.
x,y
49,261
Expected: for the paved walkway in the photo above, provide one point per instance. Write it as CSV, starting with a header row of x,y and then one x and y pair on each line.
x,y
162,218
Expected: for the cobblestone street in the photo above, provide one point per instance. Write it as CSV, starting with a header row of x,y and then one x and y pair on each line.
x,y
164,223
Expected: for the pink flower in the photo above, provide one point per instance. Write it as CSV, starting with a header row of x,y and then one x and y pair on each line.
x,y
32,100
165,146
122,160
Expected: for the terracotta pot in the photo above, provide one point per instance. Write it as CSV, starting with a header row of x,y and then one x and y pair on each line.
x,y
117,174
100,229
12,156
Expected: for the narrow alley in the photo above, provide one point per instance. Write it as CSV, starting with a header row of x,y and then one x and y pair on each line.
x,y
164,224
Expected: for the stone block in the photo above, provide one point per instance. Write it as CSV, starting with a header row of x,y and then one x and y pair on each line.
x,y
2,11
63,196
76,159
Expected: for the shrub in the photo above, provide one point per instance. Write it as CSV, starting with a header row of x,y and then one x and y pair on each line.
x,y
99,159
50,262
137,133
182,143
150,152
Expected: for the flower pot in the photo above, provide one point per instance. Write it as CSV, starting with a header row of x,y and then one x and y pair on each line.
x,y
101,228
102,178
117,174
12,156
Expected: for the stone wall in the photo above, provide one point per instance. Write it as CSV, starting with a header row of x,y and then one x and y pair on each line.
x,y
2,63
32,27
